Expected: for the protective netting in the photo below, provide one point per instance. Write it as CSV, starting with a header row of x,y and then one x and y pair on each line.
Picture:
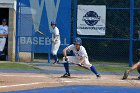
x,y
108,3
137,3
107,50
115,45
117,24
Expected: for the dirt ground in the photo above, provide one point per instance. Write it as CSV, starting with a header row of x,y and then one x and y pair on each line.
x,y
25,81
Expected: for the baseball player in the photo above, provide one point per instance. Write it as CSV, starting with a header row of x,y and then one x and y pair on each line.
x,y
134,67
55,41
3,35
80,58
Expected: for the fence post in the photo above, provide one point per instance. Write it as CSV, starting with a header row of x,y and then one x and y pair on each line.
x,y
17,17
75,19
131,32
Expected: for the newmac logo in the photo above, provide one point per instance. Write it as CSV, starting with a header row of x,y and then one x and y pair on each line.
x,y
91,18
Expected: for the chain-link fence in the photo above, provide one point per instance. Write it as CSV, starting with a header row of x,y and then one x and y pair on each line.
x,y
122,28
116,45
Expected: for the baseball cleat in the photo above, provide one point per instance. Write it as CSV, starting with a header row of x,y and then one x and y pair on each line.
x,y
56,62
66,75
126,73
98,76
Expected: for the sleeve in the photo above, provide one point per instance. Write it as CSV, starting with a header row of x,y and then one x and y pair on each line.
x,y
70,47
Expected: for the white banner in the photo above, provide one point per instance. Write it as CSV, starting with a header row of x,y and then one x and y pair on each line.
x,y
91,20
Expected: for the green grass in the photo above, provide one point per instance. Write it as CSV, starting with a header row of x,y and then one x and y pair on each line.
x,y
100,68
103,69
16,66
122,63
103,66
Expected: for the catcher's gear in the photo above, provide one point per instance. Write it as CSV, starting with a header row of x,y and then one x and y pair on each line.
x,y
138,69
126,73
78,41
138,53
139,77
66,75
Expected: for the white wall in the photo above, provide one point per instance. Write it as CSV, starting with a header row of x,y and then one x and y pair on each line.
x,y
11,4
7,1
8,4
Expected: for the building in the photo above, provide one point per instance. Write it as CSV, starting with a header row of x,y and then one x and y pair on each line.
x,y
8,11
34,15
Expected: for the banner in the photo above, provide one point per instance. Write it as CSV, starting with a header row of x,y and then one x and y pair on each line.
x,y
91,20
37,15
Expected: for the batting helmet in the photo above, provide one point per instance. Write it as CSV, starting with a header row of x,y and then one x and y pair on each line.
x,y
138,69
78,41
138,53
53,23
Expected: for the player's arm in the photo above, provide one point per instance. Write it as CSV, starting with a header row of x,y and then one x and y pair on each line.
x,y
67,49
65,52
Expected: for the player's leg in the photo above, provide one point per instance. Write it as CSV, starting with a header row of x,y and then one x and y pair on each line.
x,y
55,47
91,67
66,66
70,59
139,77
138,69
134,67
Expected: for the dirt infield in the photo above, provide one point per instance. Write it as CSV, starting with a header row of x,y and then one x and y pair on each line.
x,y
24,81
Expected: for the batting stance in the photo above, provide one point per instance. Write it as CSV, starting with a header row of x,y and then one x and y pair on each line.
x,y
80,58
3,35
136,66
55,41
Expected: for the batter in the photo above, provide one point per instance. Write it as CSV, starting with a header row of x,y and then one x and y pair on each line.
x,y
80,58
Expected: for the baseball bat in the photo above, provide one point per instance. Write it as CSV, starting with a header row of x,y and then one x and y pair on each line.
x,y
77,64
82,66
41,33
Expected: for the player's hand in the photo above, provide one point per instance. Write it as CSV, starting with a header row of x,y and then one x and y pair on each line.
x,y
66,58
53,41
80,64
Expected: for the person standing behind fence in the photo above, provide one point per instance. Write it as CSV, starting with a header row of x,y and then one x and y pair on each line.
x,y
3,35
55,41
